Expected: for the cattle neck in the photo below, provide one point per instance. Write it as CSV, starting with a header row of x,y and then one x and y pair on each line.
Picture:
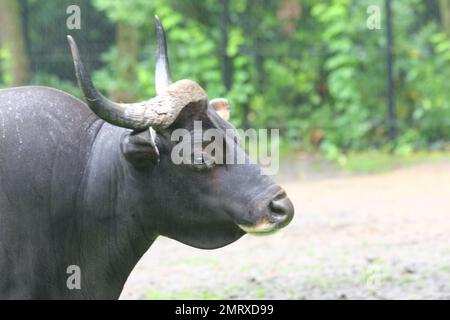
x,y
112,236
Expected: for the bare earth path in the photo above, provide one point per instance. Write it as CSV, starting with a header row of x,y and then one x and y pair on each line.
x,y
372,236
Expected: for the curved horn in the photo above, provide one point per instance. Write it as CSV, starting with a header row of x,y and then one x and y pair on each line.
x,y
109,111
162,70
158,112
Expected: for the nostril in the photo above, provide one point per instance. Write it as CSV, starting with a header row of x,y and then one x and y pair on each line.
x,y
282,210
277,207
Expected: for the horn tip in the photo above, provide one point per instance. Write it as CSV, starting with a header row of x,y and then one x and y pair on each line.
x,y
159,26
73,46
72,42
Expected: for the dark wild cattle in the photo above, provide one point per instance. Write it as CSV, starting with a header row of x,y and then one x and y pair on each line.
x,y
93,185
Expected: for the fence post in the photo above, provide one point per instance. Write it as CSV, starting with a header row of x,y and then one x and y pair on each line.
x,y
391,118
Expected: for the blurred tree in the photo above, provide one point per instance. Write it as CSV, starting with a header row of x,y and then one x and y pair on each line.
x,y
226,60
128,49
312,69
445,15
391,117
129,18
13,40
46,28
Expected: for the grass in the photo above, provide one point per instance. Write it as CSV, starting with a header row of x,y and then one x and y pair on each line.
x,y
319,281
199,262
445,269
378,162
407,279
260,293
364,162
247,267
182,295
220,294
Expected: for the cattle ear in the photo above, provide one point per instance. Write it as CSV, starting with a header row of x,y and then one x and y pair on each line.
x,y
139,148
222,107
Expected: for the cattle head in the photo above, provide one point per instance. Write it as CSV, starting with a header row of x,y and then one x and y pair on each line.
x,y
205,203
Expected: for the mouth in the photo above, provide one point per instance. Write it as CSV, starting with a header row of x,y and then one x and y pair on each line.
x,y
261,229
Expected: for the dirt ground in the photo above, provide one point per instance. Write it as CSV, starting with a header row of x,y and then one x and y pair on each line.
x,y
384,236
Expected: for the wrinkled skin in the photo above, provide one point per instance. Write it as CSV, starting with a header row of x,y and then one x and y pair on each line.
x,y
75,190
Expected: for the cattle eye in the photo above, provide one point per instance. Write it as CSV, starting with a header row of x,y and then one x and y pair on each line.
x,y
203,161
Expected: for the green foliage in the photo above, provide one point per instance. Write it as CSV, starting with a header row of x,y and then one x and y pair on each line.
x,y
109,80
5,60
191,49
136,12
355,75
52,81
45,33
312,69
